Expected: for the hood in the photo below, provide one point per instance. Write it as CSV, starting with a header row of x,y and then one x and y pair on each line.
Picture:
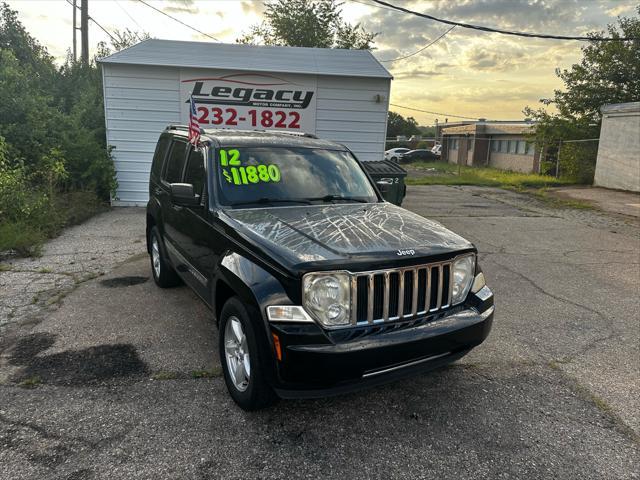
x,y
351,232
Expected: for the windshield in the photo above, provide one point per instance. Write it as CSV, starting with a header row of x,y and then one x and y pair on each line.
x,y
270,175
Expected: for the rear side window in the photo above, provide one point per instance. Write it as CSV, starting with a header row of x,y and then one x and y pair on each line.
x,y
158,157
195,171
175,163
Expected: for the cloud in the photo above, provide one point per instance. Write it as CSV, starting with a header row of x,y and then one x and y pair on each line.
x,y
252,8
416,73
621,9
182,6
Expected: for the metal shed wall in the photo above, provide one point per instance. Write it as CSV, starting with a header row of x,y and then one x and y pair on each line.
x,y
140,101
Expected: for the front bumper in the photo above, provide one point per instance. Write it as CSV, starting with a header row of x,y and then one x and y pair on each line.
x,y
316,365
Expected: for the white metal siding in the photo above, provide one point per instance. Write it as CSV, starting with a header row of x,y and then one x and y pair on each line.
x,y
140,101
347,113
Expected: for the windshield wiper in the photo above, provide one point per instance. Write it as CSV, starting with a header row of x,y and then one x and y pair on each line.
x,y
330,198
265,200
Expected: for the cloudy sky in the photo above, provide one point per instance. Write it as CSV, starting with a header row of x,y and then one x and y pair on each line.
x,y
467,72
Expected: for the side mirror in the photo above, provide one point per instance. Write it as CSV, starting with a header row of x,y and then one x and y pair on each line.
x,y
384,185
182,195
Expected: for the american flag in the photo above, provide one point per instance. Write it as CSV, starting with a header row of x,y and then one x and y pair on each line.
x,y
194,126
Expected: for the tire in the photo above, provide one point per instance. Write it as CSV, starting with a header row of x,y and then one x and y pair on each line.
x,y
240,352
394,159
163,274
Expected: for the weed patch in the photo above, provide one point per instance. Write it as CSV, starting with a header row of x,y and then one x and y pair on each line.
x,y
441,173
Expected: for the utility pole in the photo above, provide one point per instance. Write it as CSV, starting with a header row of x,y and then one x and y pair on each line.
x,y
75,28
84,27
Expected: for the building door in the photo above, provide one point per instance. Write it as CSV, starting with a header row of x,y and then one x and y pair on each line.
x,y
463,150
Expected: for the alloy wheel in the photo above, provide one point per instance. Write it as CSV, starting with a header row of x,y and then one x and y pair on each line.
x,y
236,352
155,256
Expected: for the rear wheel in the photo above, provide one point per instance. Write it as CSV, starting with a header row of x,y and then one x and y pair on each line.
x,y
239,356
163,274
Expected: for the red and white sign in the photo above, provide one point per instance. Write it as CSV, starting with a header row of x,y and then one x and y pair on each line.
x,y
249,101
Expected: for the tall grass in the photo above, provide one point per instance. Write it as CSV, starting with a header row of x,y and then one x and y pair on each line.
x,y
447,174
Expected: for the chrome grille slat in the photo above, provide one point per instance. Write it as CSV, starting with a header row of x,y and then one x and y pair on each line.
x,y
385,301
439,295
385,291
354,300
450,289
370,299
427,305
414,296
401,294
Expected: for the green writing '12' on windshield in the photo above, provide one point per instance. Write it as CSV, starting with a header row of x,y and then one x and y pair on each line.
x,y
236,174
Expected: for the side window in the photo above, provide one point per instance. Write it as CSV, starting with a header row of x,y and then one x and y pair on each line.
x,y
158,157
195,173
175,163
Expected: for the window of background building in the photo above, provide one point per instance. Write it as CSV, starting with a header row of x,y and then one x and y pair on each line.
x,y
495,145
504,146
521,147
531,147
512,146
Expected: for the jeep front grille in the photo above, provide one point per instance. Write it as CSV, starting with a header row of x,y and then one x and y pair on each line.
x,y
396,294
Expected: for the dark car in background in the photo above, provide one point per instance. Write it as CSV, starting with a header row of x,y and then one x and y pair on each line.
x,y
318,286
420,155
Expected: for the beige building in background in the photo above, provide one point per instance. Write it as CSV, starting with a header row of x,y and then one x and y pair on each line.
x,y
618,164
497,144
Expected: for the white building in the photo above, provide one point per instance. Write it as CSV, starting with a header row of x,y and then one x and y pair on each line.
x,y
339,95
618,164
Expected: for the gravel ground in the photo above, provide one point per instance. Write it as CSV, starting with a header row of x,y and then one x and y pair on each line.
x,y
553,393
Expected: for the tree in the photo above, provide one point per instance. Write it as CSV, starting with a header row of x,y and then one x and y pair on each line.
x,y
398,125
307,23
609,72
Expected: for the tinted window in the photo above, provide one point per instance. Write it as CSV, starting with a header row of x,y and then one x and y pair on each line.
x,y
195,171
175,164
158,157
285,174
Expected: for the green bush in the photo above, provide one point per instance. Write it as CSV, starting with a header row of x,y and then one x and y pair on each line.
x,y
21,237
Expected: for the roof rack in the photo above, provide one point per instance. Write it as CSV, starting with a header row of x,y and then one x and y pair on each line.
x,y
284,132
297,134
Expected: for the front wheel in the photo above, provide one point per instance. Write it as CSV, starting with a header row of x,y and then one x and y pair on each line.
x,y
239,356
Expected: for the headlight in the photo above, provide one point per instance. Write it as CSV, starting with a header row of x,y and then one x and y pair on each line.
x,y
327,297
463,270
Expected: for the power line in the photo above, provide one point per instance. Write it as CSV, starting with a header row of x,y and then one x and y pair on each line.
x,y
128,15
496,30
418,51
179,21
94,21
433,113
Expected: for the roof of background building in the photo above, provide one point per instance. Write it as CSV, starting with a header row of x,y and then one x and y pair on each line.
x,y
621,107
315,61
491,128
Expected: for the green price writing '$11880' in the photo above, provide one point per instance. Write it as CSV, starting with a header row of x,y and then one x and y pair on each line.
x,y
237,174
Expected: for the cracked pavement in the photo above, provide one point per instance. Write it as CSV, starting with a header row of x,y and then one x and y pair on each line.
x,y
554,392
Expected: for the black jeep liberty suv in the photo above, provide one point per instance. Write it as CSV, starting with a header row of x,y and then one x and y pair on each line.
x,y
317,284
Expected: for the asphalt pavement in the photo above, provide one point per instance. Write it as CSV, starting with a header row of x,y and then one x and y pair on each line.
x,y
115,378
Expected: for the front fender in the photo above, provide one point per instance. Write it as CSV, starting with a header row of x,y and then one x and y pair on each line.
x,y
252,283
